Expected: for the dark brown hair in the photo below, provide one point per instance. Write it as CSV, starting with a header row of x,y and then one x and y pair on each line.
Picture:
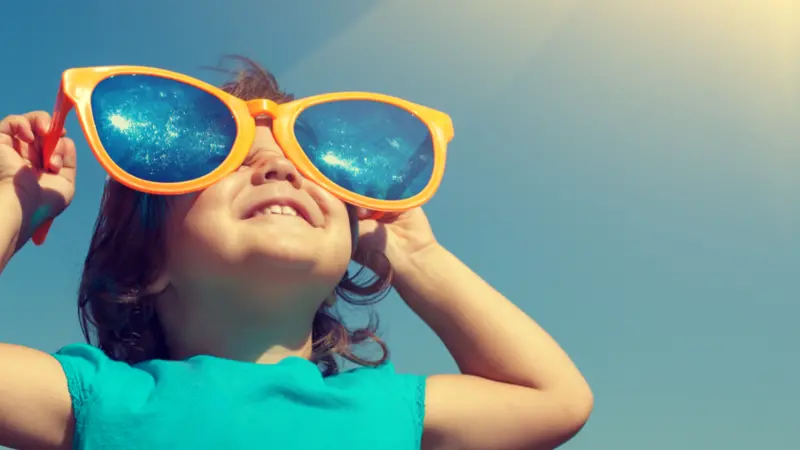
x,y
127,254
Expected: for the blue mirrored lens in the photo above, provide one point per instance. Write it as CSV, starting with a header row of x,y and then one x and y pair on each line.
x,y
368,147
162,130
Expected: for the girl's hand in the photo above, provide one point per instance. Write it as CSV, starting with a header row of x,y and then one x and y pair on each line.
x,y
401,238
40,194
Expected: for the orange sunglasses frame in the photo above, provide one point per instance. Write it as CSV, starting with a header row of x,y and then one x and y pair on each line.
x,y
78,84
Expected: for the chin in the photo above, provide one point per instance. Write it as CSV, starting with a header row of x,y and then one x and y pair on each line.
x,y
287,258
265,254
300,247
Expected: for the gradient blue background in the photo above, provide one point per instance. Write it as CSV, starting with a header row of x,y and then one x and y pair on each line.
x,y
625,171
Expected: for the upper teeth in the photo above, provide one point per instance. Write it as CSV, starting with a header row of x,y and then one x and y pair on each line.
x,y
277,209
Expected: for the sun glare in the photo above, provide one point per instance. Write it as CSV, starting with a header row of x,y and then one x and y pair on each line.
x,y
119,122
333,160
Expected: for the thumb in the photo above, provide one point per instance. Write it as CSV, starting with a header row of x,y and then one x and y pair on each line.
x,y
367,227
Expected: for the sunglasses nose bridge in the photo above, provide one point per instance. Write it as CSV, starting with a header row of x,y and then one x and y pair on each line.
x,y
262,107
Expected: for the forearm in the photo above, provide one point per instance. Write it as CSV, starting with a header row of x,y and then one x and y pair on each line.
x,y
487,335
10,222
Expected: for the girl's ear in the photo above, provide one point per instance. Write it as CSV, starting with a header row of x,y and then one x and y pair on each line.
x,y
160,284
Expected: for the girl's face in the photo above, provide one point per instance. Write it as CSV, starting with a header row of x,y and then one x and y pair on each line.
x,y
263,233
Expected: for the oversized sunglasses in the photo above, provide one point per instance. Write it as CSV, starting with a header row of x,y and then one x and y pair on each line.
x,y
165,133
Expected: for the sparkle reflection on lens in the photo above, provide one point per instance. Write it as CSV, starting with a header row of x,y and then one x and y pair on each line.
x,y
161,130
371,148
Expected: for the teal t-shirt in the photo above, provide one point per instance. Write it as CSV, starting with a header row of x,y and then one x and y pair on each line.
x,y
211,403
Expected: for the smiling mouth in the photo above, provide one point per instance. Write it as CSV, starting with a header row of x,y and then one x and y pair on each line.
x,y
274,209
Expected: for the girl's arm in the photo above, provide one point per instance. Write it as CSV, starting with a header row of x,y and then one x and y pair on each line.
x,y
10,222
35,405
519,390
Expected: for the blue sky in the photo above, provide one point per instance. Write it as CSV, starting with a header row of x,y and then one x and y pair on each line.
x,y
626,172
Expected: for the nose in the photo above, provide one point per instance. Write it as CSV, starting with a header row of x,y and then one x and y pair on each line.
x,y
275,168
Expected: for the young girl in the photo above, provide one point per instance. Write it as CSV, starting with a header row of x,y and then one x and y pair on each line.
x,y
213,318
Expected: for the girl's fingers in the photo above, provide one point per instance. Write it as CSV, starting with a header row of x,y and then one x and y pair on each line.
x,y
32,154
368,214
6,140
40,122
63,155
363,213
18,127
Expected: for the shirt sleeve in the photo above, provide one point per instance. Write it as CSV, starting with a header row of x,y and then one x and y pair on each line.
x,y
87,368
409,393
411,389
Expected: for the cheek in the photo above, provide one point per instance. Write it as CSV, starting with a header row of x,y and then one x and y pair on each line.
x,y
345,233
338,215
199,234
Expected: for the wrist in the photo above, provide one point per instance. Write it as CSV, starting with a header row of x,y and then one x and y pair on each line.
x,y
20,198
11,221
11,201
419,267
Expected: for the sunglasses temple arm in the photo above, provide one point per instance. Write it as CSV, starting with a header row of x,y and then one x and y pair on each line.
x,y
63,106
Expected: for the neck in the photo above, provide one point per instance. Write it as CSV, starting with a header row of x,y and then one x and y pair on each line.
x,y
220,331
